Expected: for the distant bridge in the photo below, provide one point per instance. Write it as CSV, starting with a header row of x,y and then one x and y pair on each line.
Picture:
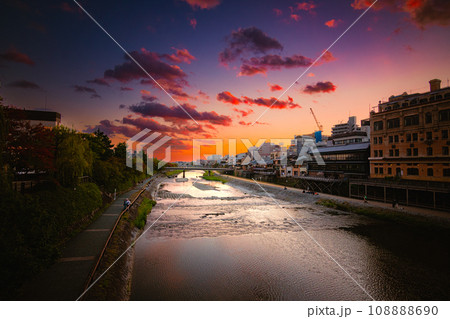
x,y
196,168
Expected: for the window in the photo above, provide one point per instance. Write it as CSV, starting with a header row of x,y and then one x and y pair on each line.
x,y
412,120
412,171
375,153
408,152
444,115
378,126
444,134
415,137
375,140
445,150
376,170
393,123
428,118
415,151
389,171
429,151
446,172
380,153
391,153
380,140
396,138
429,172
381,170
397,152
429,136
391,139
408,137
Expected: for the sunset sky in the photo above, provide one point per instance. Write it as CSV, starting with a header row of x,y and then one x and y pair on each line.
x,y
223,61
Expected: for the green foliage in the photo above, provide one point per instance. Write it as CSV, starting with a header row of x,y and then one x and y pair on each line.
x,y
120,151
213,177
144,209
100,145
34,226
74,159
174,172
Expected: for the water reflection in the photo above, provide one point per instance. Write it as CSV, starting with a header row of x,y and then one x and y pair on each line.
x,y
231,242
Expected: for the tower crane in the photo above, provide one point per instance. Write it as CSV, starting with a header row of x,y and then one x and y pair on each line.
x,y
317,122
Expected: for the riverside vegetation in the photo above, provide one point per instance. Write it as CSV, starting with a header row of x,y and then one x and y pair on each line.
x,y
75,175
213,177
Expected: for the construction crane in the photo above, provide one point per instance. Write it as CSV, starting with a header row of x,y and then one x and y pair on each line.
x,y
315,119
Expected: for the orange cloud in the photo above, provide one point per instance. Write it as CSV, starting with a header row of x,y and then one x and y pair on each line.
x,y
274,87
333,23
227,97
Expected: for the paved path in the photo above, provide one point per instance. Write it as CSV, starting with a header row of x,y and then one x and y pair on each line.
x,y
406,209
65,279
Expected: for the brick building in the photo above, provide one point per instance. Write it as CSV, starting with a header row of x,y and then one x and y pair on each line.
x,y
410,136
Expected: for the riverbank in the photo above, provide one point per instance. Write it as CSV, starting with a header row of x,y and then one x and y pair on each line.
x,y
115,284
418,217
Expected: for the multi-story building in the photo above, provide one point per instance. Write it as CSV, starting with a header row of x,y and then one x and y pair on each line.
x,y
343,128
410,136
35,117
342,161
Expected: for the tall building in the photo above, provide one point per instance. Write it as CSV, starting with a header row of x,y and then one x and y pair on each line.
x,y
349,133
410,136
342,128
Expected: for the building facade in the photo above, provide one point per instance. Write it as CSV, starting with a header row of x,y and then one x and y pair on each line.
x,y
410,136
342,161
45,118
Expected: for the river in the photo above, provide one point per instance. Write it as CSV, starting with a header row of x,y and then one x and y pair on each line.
x,y
233,242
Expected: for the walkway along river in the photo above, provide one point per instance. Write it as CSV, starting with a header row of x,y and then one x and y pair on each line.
x,y
232,242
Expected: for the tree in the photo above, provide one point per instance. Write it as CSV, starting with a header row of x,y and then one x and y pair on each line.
x,y
100,144
3,137
74,159
29,148
120,151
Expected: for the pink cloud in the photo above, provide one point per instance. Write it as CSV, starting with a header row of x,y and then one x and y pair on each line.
x,y
203,4
193,23
295,17
15,56
320,87
278,12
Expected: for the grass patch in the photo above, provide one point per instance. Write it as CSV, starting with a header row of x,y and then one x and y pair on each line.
x,y
213,177
174,172
144,209
384,214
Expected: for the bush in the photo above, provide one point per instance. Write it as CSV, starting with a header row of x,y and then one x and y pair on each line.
x,y
213,177
144,209
34,227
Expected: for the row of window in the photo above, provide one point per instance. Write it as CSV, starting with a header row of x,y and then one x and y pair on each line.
x,y
416,101
409,137
411,120
411,171
410,152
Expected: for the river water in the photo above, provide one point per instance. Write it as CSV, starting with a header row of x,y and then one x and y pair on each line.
x,y
233,242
